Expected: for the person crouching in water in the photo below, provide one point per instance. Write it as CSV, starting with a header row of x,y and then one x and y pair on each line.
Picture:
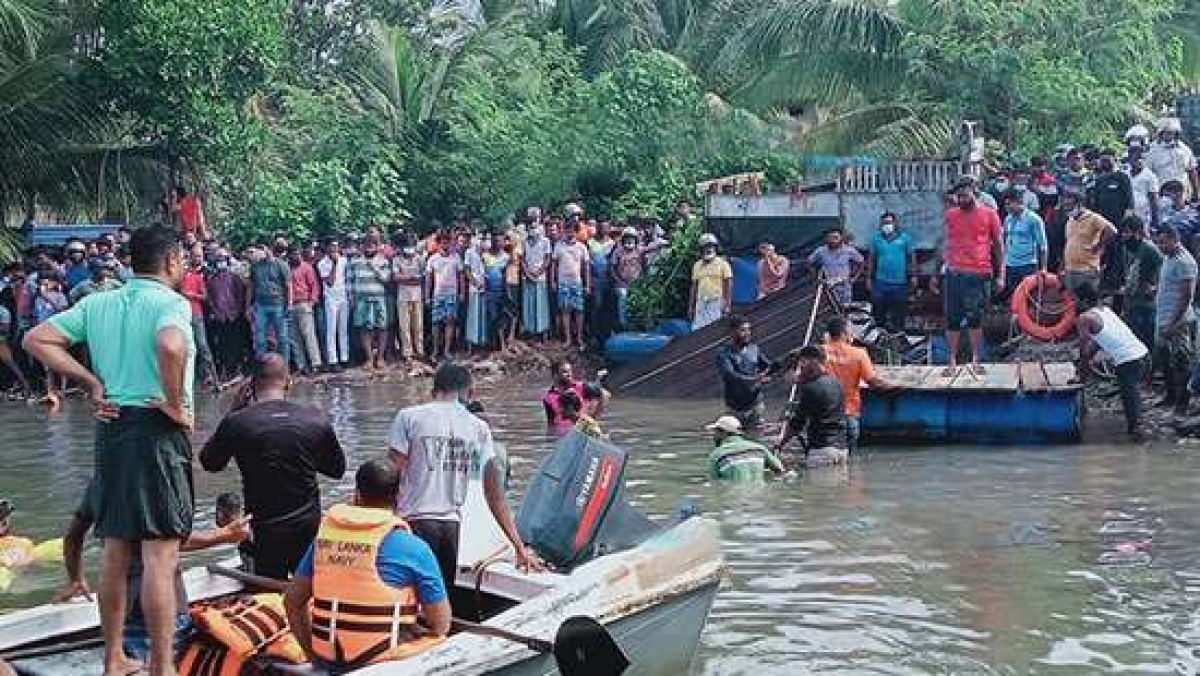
x,y
736,458
818,413
1102,331
370,580
581,412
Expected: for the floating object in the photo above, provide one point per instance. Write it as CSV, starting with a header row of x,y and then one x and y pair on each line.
x,y
674,327
745,280
50,551
1023,403
1031,309
627,348
16,552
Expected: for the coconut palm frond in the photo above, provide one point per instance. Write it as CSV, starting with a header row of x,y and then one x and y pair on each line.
x,y
884,130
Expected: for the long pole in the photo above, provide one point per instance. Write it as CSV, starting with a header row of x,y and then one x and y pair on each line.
x,y
812,324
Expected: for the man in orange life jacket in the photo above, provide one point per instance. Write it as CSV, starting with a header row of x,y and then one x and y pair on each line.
x,y
369,577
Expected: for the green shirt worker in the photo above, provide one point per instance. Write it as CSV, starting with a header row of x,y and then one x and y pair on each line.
x,y
737,458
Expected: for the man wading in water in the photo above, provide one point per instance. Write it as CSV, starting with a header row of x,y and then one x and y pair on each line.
x,y
280,447
140,341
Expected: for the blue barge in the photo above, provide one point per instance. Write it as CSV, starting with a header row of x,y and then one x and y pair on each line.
x,y
1022,403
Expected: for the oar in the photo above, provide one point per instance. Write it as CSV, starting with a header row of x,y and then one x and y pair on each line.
x,y
582,646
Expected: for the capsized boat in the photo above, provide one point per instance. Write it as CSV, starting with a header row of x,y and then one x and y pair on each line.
x,y
654,599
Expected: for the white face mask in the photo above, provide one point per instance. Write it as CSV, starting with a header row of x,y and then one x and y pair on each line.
x,y
537,232
1020,187
709,255
887,228
1002,185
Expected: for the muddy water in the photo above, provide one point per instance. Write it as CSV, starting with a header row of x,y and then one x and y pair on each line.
x,y
1060,561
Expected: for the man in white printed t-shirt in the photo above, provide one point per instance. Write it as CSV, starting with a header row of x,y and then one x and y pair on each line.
x,y
438,447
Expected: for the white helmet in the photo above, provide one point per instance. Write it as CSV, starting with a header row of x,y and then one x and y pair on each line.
x,y
1137,131
708,239
1170,124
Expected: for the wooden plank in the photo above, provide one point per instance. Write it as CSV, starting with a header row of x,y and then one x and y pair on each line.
x,y
1034,377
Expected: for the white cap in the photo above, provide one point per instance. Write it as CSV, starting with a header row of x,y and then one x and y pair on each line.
x,y
1169,124
708,238
1137,131
629,231
726,423
572,208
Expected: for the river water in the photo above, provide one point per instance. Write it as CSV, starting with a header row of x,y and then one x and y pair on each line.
x,y
1058,560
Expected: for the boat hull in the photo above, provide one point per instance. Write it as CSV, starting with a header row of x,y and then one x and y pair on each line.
x,y
659,641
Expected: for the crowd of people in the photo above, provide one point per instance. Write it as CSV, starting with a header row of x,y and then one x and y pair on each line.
x,y
1119,231
373,299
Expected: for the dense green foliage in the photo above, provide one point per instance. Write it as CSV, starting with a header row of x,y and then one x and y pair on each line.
x,y
322,116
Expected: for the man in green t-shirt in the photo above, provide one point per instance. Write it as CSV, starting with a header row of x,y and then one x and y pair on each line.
x,y
735,457
139,338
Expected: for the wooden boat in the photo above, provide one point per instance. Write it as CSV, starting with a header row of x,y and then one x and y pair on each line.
x,y
653,599
1019,403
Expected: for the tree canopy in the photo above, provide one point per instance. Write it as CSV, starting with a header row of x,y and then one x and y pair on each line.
x,y
321,116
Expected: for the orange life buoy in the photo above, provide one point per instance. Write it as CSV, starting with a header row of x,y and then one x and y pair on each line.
x,y
1027,298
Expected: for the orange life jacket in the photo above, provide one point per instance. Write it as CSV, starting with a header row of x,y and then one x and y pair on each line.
x,y
250,625
206,658
357,618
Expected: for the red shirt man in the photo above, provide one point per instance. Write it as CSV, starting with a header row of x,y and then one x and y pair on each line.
x,y
974,261
305,287
190,213
969,237
195,288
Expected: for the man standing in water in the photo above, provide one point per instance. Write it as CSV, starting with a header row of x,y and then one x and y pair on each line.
x,y
818,413
744,369
140,342
437,447
736,458
1101,330
280,447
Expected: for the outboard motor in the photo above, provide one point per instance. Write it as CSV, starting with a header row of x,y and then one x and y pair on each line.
x,y
574,508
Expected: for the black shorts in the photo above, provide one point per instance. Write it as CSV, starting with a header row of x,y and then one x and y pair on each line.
x,y
278,548
965,297
442,538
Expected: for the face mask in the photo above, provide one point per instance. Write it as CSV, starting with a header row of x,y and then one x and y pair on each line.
x,y
1020,187
710,255
222,265
888,228
1002,186
409,251
537,232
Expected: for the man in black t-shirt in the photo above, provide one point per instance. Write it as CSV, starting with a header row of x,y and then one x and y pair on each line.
x,y
744,369
819,412
279,447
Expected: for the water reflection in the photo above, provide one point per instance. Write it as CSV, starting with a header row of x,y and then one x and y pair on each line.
x,y
924,561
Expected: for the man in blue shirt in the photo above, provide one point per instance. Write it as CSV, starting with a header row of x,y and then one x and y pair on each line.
x,y
889,266
1025,244
341,577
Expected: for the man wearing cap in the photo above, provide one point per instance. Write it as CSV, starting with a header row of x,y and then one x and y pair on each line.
x,y
76,270
1171,159
712,285
103,279
737,458
627,261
